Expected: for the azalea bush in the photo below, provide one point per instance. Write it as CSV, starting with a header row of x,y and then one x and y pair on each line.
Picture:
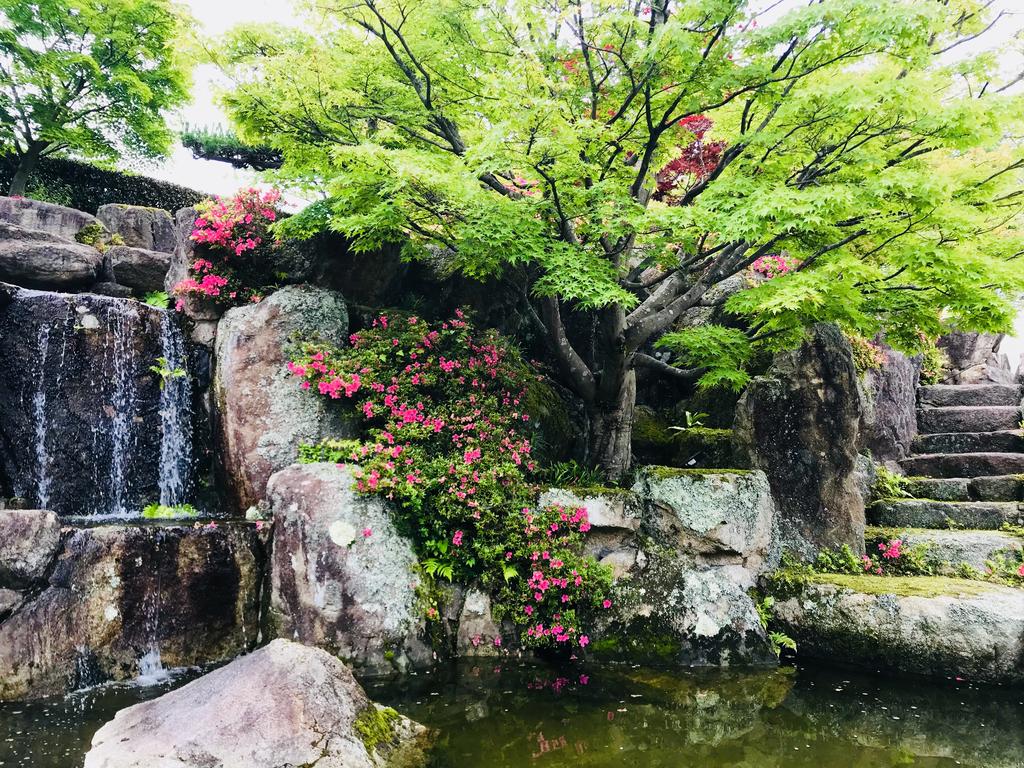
x,y
448,438
231,237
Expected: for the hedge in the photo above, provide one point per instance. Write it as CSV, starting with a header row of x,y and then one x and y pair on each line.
x,y
86,187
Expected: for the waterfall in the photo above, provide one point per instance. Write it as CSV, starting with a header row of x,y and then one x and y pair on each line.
x,y
39,417
122,322
175,416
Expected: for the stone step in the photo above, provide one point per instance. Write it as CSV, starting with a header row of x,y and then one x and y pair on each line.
x,y
941,395
964,464
929,513
1005,441
925,625
987,418
949,549
997,488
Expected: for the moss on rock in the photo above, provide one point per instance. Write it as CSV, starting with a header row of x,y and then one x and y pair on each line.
x,y
376,726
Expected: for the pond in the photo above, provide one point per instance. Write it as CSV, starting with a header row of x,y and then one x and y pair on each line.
x,y
501,715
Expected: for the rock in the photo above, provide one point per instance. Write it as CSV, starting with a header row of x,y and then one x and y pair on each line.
x,y
941,395
42,264
948,549
925,513
29,540
800,424
118,594
889,406
334,587
614,516
149,228
9,602
919,625
968,419
723,516
966,349
138,268
264,415
283,705
9,231
79,405
964,464
477,628
44,217
112,289
194,307
1005,441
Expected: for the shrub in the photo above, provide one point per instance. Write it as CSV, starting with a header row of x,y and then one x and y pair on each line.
x,y
448,438
867,355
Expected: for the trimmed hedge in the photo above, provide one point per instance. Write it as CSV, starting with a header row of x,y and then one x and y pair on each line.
x,y
86,187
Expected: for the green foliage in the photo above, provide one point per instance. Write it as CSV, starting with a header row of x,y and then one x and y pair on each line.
x,y
224,146
96,235
329,450
867,355
890,485
88,77
158,299
765,613
934,363
157,511
841,560
565,474
166,373
376,726
529,142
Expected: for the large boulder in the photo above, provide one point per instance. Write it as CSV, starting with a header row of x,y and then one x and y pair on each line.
x,y
46,217
123,597
263,414
29,540
140,227
81,427
342,577
918,625
138,268
800,424
283,705
41,264
9,231
889,407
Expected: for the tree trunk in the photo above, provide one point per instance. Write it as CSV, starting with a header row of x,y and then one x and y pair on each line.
x,y
610,441
26,166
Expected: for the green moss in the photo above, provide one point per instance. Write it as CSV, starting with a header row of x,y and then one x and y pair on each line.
x,y
667,473
650,430
376,726
902,586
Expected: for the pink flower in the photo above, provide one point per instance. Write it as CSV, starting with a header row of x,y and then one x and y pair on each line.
x,y
584,641
457,539
367,533
606,604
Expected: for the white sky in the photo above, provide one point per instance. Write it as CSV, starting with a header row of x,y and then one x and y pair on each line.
x,y
218,16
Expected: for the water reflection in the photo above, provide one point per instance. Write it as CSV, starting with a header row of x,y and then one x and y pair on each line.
x,y
511,716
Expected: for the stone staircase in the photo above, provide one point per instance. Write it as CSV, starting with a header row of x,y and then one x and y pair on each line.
x,y
967,473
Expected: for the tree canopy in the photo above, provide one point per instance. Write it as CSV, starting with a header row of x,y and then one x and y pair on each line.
x,y
89,78
623,159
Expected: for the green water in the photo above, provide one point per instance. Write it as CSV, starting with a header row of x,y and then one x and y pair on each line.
x,y
503,716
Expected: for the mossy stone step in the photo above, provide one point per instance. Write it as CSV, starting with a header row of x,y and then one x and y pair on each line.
x,y
930,513
964,464
950,548
987,418
997,488
1004,441
924,625
942,395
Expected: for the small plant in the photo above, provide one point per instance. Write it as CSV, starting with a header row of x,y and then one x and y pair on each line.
x,y
867,355
158,299
765,613
572,473
890,485
157,511
332,451
97,236
693,420
166,373
934,363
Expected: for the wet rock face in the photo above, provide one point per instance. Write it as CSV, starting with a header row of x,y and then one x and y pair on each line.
x,y
44,217
119,594
800,424
263,414
80,423
138,268
140,227
889,407
283,705
335,586
29,540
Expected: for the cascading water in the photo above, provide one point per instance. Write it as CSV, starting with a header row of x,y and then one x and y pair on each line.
x,y
85,429
175,416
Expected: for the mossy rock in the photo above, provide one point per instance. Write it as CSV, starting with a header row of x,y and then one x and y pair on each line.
x,y
376,726
556,432
903,586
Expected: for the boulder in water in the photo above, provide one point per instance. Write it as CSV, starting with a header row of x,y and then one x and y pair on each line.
x,y
151,229
283,705
263,414
342,577
123,598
